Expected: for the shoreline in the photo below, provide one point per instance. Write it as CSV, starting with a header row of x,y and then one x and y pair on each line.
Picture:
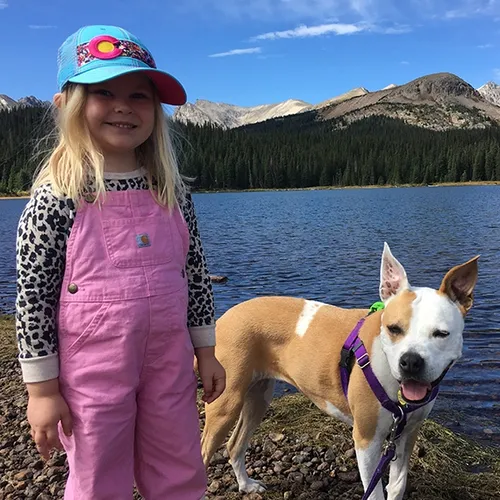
x,y
334,188
25,195
298,451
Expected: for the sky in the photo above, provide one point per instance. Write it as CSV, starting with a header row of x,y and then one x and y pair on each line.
x,y
250,52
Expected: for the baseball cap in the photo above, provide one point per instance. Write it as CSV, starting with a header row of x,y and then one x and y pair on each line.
x,y
98,53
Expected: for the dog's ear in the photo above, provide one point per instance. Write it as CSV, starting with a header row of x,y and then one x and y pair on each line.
x,y
392,275
459,284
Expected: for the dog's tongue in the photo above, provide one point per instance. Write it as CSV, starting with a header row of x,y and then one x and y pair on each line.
x,y
415,391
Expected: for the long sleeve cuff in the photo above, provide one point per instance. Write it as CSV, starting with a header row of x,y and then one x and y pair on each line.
x,y
40,369
202,336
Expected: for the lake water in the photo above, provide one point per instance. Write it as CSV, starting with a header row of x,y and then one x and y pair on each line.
x,y
326,246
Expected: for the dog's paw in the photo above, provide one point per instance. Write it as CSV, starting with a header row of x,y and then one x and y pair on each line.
x,y
252,486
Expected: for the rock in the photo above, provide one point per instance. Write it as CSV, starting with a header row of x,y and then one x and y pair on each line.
x,y
214,487
350,453
348,477
330,454
323,466
218,279
276,437
278,468
23,475
38,465
269,448
218,459
296,477
317,485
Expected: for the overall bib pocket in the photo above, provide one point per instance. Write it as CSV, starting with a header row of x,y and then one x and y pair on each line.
x,y
139,241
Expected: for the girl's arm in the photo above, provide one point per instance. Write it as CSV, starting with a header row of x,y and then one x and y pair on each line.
x,y
40,258
201,311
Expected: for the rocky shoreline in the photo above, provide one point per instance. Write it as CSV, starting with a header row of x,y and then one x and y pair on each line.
x,y
298,452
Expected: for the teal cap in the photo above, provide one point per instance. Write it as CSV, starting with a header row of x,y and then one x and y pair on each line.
x,y
98,53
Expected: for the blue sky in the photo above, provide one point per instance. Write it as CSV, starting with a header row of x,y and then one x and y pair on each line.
x,y
250,52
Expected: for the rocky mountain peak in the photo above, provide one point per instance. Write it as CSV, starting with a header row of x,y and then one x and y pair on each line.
x,y
437,87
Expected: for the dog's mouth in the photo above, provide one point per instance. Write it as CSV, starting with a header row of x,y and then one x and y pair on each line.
x,y
414,391
417,391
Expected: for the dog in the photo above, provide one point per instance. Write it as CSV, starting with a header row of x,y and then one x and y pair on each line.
x,y
411,343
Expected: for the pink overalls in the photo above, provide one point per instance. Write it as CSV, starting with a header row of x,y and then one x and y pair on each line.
x,y
126,357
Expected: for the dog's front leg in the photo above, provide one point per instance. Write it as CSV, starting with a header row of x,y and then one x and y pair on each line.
x,y
368,455
399,468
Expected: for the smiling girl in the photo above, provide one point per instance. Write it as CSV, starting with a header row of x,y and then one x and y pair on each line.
x,y
114,297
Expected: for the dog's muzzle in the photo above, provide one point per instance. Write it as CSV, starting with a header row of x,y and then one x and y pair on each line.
x,y
413,390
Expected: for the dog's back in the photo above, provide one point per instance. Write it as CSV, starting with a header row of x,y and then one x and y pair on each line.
x,y
266,336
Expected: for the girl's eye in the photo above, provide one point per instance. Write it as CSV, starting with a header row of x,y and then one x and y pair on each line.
x,y
102,92
139,95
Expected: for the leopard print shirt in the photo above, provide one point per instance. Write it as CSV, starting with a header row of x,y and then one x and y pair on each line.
x,y
43,231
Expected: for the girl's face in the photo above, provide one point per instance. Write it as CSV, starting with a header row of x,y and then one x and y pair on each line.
x,y
120,113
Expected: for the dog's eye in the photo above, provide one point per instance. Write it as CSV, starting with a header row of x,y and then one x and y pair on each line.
x,y
395,329
440,333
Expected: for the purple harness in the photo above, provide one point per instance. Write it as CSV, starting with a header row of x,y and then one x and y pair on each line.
x,y
354,346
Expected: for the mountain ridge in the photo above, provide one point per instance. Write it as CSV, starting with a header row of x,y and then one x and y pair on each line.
x,y
438,101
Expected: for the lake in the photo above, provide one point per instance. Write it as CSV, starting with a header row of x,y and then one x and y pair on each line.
x,y
326,245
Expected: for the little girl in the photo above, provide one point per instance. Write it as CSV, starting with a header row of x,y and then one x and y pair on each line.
x,y
114,297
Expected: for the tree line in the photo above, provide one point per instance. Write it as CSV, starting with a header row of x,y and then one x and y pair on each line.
x,y
293,152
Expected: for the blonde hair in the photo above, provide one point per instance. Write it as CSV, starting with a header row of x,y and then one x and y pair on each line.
x,y
75,163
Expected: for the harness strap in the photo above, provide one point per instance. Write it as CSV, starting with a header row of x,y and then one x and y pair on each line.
x,y
354,347
387,457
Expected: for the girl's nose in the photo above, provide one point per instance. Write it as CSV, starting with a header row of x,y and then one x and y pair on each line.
x,y
121,106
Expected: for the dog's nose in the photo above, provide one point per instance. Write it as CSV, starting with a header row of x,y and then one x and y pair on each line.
x,y
411,363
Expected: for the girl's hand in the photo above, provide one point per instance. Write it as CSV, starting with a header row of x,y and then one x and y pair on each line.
x,y
212,374
46,407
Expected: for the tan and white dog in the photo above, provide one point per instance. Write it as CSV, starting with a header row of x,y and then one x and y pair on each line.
x,y
411,343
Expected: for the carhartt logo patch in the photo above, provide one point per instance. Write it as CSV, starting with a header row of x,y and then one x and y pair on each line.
x,y
143,240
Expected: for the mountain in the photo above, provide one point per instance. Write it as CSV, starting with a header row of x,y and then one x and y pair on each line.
x,y
7,102
357,92
227,116
438,101
204,112
491,92
31,101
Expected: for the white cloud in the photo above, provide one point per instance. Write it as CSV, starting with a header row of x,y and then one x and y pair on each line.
x,y
304,31
3,4
485,46
391,30
496,73
42,27
323,11
405,62
472,8
310,31
237,52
